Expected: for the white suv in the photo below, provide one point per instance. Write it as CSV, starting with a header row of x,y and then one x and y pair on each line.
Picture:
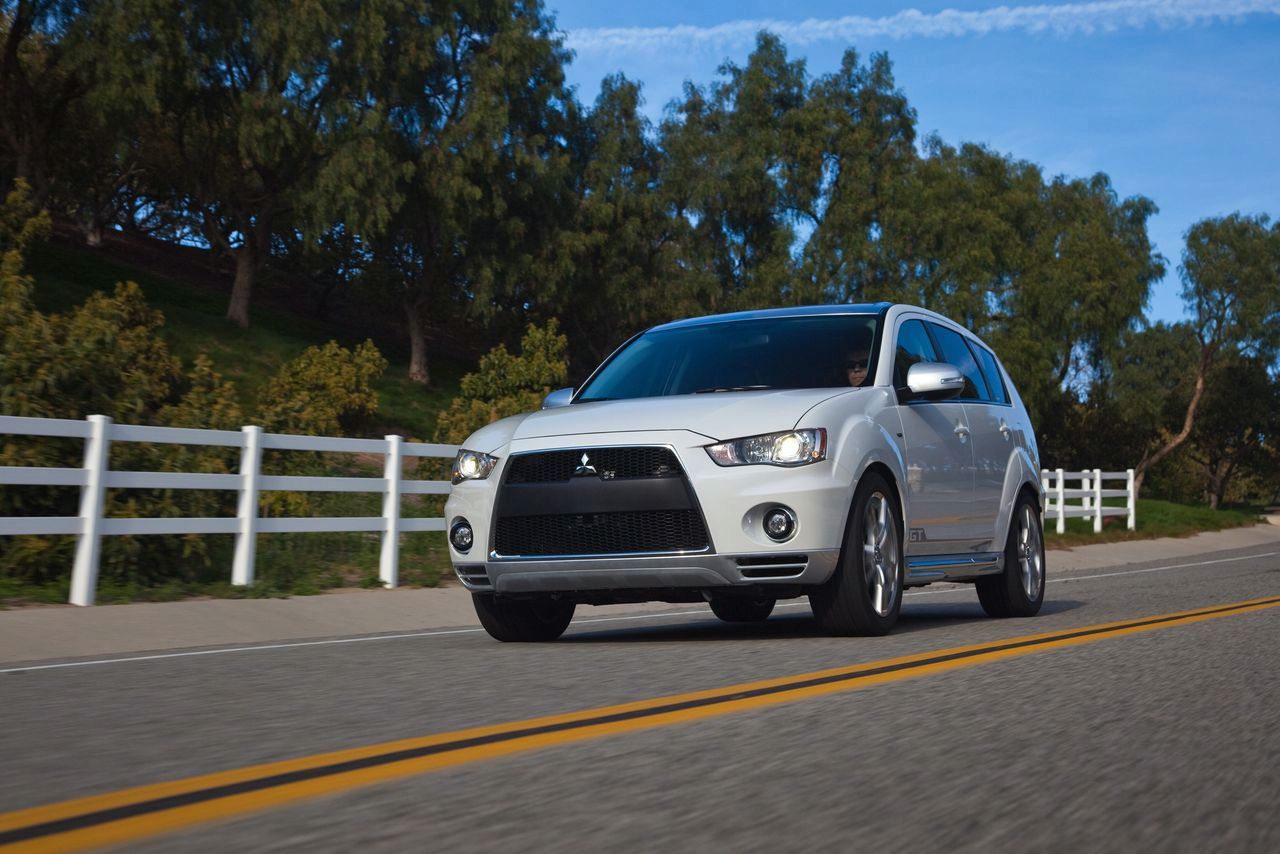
x,y
839,452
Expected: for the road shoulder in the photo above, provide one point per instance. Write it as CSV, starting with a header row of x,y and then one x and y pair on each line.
x,y
43,634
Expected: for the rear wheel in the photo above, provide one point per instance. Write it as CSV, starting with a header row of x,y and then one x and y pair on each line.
x,y
1019,590
522,620
864,595
742,610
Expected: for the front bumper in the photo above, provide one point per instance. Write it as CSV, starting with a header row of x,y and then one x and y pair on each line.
x,y
732,501
659,572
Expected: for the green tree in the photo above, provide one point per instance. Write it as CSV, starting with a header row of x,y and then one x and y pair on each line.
x,y
985,239
732,164
1239,418
627,245
1231,285
275,123
77,81
479,121
855,157
47,65
1148,384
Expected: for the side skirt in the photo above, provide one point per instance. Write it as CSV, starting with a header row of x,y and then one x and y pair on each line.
x,y
962,567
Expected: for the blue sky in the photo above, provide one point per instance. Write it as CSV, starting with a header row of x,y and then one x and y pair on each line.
x,y
1177,100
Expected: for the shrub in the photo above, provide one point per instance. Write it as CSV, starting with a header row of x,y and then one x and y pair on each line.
x,y
506,384
326,391
104,357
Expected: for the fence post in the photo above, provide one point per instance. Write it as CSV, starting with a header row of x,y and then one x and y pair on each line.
x,y
1132,502
1062,508
97,455
247,509
1044,490
1097,501
389,566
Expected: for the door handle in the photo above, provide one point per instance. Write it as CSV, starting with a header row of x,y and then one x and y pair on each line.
x,y
962,431
1004,428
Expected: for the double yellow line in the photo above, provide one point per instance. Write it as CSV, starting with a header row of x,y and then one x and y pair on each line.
x,y
149,810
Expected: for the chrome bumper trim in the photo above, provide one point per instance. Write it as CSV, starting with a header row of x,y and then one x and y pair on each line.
x,y
623,573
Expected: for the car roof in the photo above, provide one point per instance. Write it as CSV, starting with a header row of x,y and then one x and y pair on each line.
x,y
764,314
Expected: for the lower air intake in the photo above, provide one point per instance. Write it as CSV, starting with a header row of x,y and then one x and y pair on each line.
x,y
644,531
476,576
772,566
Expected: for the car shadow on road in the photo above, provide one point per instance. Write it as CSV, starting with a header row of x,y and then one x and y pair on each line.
x,y
799,623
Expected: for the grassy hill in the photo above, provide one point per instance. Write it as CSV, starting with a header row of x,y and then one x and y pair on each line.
x,y
194,305
193,298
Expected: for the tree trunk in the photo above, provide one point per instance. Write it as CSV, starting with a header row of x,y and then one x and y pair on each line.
x,y
93,230
418,372
246,268
1224,483
254,247
1215,486
1140,472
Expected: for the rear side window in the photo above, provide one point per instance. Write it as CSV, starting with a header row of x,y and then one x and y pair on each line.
x,y
990,372
955,351
913,346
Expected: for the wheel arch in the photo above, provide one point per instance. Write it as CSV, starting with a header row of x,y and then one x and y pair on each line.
x,y
1021,478
884,470
880,453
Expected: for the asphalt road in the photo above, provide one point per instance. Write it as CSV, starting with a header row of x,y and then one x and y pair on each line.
x,y
1167,738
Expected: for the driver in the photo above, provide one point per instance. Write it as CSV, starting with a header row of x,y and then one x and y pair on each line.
x,y
855,366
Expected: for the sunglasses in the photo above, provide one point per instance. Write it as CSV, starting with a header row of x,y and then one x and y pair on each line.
x,y
856,365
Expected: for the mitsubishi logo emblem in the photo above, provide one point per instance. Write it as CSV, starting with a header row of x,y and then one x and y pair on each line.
x,y
586,469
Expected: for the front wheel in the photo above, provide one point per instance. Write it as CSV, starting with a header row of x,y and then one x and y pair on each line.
x,y
522,620
864,595
1019,590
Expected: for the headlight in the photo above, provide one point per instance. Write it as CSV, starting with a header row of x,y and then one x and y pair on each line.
x,y
793,448
472,465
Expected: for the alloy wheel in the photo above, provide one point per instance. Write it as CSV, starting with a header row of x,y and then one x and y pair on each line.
x,y
1030,553
881,557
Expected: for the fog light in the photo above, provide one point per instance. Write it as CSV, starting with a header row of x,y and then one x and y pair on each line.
x,y
779,523
461,535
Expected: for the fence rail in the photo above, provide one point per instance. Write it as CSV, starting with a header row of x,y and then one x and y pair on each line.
x,y
1090,494
95,477
98,432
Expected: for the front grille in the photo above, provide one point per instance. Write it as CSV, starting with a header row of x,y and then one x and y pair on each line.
x,y
609,463
601,533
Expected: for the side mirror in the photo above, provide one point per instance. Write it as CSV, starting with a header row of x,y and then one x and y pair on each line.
x,y
935,380
559,397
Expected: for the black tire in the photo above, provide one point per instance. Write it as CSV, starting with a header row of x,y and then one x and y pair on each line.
x,y
735,610
1019,590
522,620
862,597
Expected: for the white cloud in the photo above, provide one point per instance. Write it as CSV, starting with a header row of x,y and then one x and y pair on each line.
x,y
1063,20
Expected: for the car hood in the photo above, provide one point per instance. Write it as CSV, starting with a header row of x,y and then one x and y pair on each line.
x,y
718,416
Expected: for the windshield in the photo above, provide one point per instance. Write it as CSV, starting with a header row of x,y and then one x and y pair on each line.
x,y
826,351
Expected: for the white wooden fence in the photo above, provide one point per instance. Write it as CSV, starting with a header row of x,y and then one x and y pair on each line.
x,y
1090,494
95,477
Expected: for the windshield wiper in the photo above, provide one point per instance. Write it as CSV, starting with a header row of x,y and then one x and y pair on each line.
x,y
716,388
